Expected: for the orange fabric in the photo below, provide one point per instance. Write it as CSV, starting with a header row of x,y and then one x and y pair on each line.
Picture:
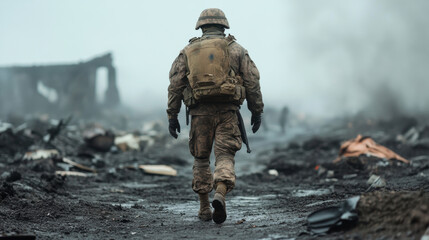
x,y
360,145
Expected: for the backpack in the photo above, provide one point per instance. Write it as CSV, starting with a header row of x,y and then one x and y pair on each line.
x,y
210,77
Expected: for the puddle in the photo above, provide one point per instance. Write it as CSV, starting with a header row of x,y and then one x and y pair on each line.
x,y
306,193
129,204
187,210
251,208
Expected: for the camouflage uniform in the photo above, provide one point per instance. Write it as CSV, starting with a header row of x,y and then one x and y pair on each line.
x,y
215,122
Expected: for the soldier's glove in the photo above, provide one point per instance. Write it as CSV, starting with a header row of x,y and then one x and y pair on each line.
x,y
173,126
255,121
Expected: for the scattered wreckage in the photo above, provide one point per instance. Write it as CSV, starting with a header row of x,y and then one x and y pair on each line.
x,y
42,153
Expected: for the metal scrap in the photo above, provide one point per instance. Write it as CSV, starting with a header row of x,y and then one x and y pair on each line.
x,y
78,165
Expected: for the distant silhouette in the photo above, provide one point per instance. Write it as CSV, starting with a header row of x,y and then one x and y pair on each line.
x,y
283,118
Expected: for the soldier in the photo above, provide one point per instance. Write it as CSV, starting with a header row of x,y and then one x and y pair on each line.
x,y
213,75
283,118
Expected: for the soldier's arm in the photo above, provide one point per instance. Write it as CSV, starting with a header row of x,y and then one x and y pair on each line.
x,y
250,75
177,85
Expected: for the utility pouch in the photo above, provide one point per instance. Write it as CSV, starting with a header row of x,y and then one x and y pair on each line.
x,y
188,98
240,94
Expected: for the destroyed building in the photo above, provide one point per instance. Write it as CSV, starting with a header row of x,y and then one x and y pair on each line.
x,y
62,88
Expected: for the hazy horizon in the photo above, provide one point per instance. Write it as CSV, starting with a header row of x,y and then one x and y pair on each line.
x,y
325,58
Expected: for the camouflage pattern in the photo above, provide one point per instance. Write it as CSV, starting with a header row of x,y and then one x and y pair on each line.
x,y
215,122
212,16
222,129
240,62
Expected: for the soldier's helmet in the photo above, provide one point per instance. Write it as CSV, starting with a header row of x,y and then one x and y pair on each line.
x,y
212,16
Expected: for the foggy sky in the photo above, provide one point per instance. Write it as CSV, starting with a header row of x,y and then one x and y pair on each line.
x,y
319,57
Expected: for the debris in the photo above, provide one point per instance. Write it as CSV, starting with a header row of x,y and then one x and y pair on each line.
x,y
333,218
349,176
273,172
159,169
376,182
240,221
320,170
330,174
365,145
41,154
53,132
73,173
419,160
78,165
127,142
99,139
411,136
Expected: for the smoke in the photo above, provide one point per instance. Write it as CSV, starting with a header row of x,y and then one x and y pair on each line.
x,y
360,56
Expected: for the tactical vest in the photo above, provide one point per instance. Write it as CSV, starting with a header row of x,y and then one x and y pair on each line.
x,y
210,77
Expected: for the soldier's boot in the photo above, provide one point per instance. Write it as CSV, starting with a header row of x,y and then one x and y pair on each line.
x,y
219,214
205,213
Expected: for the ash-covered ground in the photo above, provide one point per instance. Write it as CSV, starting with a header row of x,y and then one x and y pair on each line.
x,y
284,179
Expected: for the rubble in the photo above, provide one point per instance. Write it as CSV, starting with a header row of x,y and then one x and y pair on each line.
x,y
80,166
128,142
41,154
376,182
292,179
99,139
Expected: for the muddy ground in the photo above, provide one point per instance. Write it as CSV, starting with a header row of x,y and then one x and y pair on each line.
x,y
122,203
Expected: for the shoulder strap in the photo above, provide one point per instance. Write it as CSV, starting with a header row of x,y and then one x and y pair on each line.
x,y
193,39
230,39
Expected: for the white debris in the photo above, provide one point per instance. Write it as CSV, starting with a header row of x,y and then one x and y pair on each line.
x,y
330,174
128,142
41,154
273,172
159,169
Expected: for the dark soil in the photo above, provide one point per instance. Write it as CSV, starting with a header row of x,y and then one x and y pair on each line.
x,y
121,203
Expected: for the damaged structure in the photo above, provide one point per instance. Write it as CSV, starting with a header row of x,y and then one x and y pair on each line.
x,y
64,88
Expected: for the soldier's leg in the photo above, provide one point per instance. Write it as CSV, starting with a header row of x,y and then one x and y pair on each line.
x,y
200,145
227,143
